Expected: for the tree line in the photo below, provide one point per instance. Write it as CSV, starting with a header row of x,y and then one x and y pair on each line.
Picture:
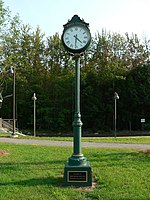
x,y
113,63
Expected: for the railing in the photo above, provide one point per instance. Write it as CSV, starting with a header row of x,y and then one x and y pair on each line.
x,y
8,124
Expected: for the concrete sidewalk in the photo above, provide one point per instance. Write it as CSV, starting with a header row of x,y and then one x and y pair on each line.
x,y
70,144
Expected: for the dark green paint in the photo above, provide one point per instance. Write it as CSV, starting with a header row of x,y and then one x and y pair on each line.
x,y
77,162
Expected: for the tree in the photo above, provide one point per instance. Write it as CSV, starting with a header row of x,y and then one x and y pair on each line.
x,y
113,63
138,95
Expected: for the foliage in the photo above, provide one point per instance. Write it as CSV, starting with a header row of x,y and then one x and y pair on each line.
x,y
113,63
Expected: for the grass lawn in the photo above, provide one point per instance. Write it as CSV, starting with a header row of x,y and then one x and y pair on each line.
x,y
143,139
30,172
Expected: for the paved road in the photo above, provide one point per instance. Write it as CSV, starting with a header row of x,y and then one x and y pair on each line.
x,y
70,144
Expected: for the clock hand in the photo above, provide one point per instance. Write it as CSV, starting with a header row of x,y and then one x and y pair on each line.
x,y
77,38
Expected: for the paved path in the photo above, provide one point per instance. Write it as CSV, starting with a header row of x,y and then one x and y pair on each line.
x,y
70,144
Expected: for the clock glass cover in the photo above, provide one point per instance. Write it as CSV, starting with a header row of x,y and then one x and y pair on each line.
x,y
76,37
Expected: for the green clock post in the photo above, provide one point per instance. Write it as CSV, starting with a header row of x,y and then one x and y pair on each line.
x,y
76,38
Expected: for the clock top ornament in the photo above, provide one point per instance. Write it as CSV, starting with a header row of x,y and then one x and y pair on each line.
x,y
76,35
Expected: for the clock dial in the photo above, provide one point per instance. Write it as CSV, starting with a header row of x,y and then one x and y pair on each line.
x,y
76,37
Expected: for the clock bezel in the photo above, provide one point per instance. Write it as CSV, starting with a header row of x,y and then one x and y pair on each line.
x,y
81,50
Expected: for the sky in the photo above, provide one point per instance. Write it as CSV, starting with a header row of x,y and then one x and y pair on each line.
x,y
132,16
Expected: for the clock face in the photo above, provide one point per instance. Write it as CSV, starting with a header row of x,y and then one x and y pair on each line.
x,y
76,38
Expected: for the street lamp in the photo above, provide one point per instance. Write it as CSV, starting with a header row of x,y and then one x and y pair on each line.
x,y
1,100
1,88
116,97
34,100
13,71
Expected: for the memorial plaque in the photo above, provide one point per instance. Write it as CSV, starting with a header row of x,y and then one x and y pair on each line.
x,y
77,176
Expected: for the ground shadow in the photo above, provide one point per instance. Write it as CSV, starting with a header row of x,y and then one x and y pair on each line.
x,y
50,181
14,166
122,159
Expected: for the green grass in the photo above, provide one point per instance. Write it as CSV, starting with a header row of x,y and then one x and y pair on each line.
x,y
31,172
142,140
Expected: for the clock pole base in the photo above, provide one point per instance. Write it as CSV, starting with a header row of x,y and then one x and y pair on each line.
x,y
79,175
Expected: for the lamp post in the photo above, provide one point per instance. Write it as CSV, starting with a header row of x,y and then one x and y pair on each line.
x,y
1,88
1,100
116,97
13,71
14,101
34,98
